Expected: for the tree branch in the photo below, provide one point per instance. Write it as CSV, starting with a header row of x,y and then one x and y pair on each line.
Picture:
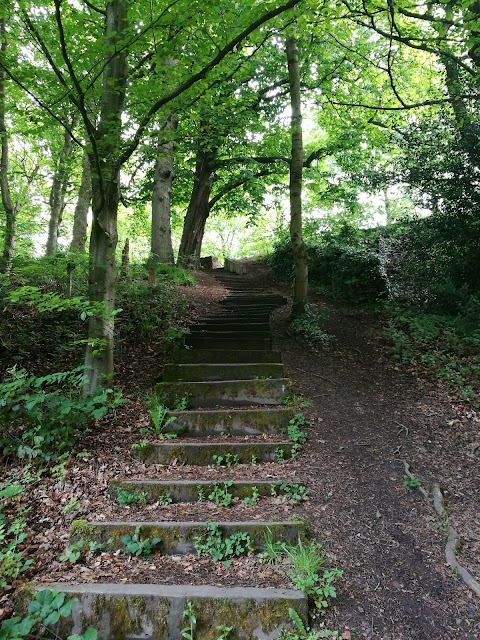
x,y
145,121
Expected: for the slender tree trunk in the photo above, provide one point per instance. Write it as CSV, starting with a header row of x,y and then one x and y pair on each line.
x,y
11,210
57,196
80,217
198,208
105,199
161,238
296,169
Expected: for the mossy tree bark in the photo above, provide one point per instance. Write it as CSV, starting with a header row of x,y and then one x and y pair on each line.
x,y
10,209
106,141
161,239
80,217
198,209
296,171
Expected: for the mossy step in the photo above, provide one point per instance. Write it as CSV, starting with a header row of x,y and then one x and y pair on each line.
x,y
225,355
155,611
211,342
191,490
211,372
226,393
234,318
178,537
255,297
202,453
231,325
235,422
225,332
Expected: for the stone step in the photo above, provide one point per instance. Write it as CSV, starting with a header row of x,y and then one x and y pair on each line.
x,y
234,318
250,303
253,297
191,490
231,325
237,422
225,355
226,393
201,453
155,611
178,537
210,342
225,332
211,372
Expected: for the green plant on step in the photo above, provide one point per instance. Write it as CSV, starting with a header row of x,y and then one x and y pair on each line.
x,y
126,497
138,446
307,562
220,493
221,548
295,432
252,500
160,418
182,403
227,460
296,492
200,493
273,549
135,545
188,614
253,458
301,632
164,499
224,631
47,608
411,482
73,552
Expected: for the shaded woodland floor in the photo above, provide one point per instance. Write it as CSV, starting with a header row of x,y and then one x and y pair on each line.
x,y
366,417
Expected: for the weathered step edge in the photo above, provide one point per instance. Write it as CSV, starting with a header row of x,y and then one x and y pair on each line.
x,y
192,490
209,372
222,356
224,393
201,454
155,612
178,537
238,422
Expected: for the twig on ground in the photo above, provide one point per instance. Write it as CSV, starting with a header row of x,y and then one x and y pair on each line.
x,y
317,375
404,428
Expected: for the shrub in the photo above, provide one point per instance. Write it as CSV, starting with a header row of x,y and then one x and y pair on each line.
x,y
42,417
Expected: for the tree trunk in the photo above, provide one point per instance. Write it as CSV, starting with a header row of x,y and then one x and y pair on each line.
x,y
105,198
161,239
80,217
57,196
198,209
296,169
10,209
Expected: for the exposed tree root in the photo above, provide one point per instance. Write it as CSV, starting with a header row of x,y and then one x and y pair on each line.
x,y
453,539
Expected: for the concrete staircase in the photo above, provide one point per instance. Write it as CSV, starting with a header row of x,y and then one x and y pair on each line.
x,y
235,385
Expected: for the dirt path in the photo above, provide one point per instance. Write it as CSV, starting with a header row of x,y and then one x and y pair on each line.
x,y
365,417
